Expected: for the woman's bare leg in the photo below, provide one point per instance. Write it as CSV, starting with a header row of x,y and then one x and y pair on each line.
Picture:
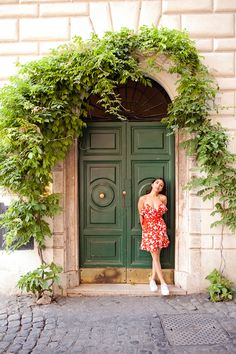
x,y
157,265
153,276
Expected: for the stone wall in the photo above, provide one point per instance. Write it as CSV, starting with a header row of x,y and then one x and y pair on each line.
x,y
29,28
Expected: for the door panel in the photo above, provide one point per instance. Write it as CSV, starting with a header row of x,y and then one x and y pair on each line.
x,y
102,219
150,155
119,157
149,140
103,141
101,215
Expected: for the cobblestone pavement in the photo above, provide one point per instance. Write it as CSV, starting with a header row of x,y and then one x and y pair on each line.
x,y
119,324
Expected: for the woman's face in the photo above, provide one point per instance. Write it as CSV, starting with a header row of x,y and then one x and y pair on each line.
x,y
157,185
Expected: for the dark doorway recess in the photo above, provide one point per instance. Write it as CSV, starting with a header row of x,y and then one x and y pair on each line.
x,y
139,103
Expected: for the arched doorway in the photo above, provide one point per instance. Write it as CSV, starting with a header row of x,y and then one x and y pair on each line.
x,y
118,160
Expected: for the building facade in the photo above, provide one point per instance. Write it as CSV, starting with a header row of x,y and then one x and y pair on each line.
x,y
28,30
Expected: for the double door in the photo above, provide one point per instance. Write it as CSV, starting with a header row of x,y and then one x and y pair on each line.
x,y
118,161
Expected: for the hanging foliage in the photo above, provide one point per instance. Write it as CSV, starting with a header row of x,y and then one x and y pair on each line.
x,y
44,107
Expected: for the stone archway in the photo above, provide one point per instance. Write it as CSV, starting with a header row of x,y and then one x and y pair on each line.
x,y
65,244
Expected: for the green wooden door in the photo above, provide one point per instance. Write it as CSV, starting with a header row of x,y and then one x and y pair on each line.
x,y
118,160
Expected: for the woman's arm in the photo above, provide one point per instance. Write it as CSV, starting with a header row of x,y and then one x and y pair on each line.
x,y
140,207
163,199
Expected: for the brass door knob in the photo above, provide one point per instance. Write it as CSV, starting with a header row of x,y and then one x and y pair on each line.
x,y
101,195
124,193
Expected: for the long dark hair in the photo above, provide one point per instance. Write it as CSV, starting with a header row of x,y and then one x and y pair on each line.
x,y
164,187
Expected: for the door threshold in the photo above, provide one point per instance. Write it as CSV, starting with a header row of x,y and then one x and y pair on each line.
x,y
109,275
120,289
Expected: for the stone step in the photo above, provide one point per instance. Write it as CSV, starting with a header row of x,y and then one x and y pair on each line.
x,y
120,289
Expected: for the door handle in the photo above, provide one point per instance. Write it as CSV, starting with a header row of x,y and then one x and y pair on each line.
x,y
123,198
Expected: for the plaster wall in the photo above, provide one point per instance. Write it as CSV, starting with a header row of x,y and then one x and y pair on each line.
x,y
30,28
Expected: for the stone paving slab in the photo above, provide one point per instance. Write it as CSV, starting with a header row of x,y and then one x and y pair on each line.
x,y
115,324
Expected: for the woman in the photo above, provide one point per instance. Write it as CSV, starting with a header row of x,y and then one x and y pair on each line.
x,y
154,237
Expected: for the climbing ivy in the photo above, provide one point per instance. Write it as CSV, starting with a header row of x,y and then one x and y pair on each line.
x,y
44,107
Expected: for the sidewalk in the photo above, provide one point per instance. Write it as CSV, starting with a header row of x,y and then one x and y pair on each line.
x,y
118,324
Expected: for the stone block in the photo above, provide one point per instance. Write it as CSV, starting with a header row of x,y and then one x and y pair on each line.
x,y
63,9
194,261
45,1
211,259
206,221
174,6
228,241
50,223
150,13
8,30
58,223
225,5
220,64
226,102
59,166
232,141
196,202
194,281
227,83
46,47
204,45
9,1
44,29
48,255
181,279
8,66
73,279
18,48
225,44
81,26
18,10
230,264
23,59
58,182
195,221
100,16
170,21
124,14
200,223
228,122
182,244
206,241
209,25
195,241
58,256
58,240
49,242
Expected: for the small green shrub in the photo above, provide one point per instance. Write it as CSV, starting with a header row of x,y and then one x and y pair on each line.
x,y
41,279
220,288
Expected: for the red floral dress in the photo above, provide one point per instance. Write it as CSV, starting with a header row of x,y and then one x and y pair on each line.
x,y
154,234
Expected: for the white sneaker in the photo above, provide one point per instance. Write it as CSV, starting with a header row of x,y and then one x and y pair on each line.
x,y
164,289
153,286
